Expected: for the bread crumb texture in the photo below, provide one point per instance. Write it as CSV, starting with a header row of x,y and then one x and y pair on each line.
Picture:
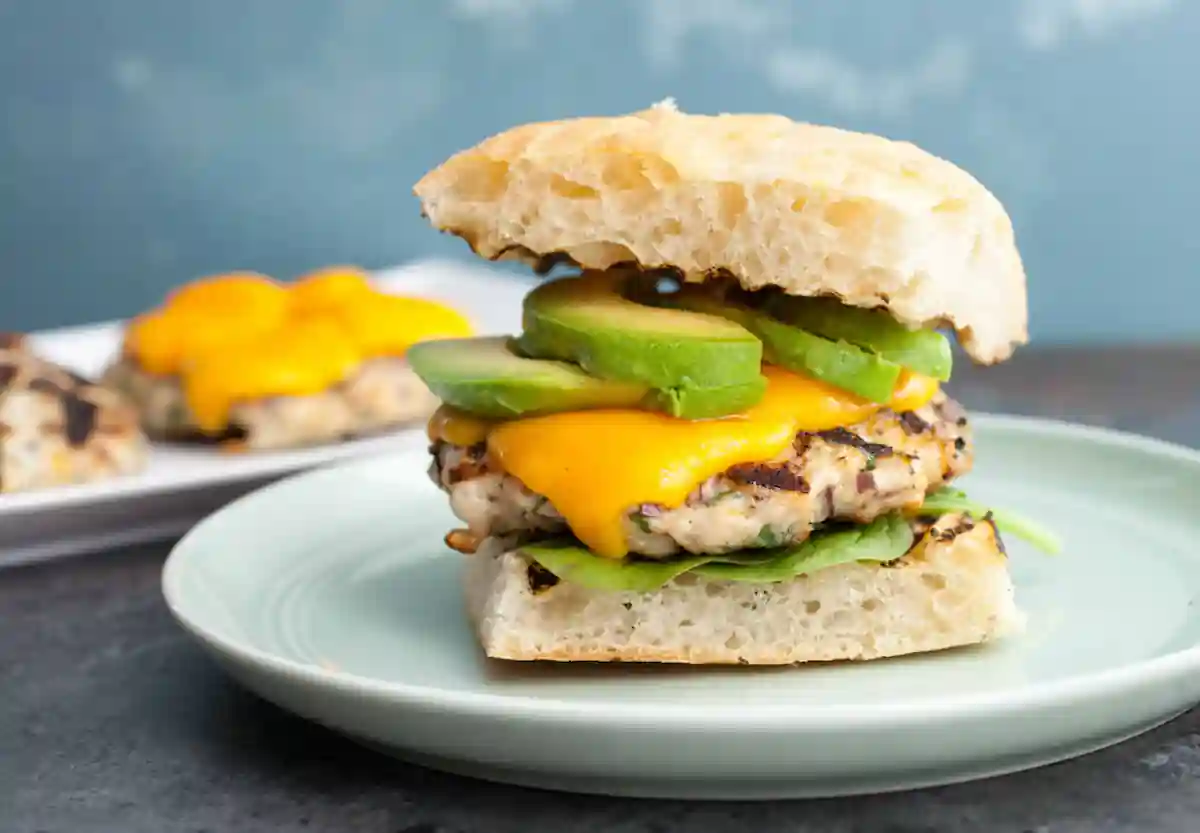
x,y
953,588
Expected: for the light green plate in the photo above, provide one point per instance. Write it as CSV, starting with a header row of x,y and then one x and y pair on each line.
x,y
332,595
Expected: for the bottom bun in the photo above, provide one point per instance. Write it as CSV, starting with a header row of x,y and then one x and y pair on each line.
x,y
951,589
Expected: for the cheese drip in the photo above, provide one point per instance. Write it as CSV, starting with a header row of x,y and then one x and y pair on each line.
x,y
242,337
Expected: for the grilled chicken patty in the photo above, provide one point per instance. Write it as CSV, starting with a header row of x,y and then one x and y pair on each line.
x,y
382,394
857,473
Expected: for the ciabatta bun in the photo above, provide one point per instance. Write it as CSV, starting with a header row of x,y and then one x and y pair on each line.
x,y
811,209
951,589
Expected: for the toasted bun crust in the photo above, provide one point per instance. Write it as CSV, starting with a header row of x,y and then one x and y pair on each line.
x,y
814,210
950,590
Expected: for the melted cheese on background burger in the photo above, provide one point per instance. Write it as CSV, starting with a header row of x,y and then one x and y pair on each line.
x,y
594,465
240,337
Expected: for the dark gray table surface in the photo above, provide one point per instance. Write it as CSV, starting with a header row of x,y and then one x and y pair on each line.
x,y
112,720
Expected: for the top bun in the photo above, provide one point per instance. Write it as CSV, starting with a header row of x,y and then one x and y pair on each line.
x,y
813,210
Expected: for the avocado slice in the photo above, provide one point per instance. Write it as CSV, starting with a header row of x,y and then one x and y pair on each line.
x,y
483,376
487,377
922,351
838,363
707,403
588,320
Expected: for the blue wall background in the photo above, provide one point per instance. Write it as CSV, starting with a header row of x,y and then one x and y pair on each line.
x,y
143,143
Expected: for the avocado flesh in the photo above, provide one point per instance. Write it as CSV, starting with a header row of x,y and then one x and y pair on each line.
x,y
837,363
482,376
589,321
486,377
707,403
922,351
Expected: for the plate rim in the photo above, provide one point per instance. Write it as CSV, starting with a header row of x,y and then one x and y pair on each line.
x,y
1104,684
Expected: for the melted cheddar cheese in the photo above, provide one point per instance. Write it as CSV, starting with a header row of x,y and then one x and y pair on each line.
x,y
594,465
208,314
302,359
240,337
389,324
457,427
336,286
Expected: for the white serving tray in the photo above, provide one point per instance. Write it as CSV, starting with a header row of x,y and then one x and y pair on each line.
x,y
182,484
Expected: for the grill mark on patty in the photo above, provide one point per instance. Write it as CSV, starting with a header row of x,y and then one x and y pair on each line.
x,y
233,433
80,415
80,418
841,436
912,423
783,478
